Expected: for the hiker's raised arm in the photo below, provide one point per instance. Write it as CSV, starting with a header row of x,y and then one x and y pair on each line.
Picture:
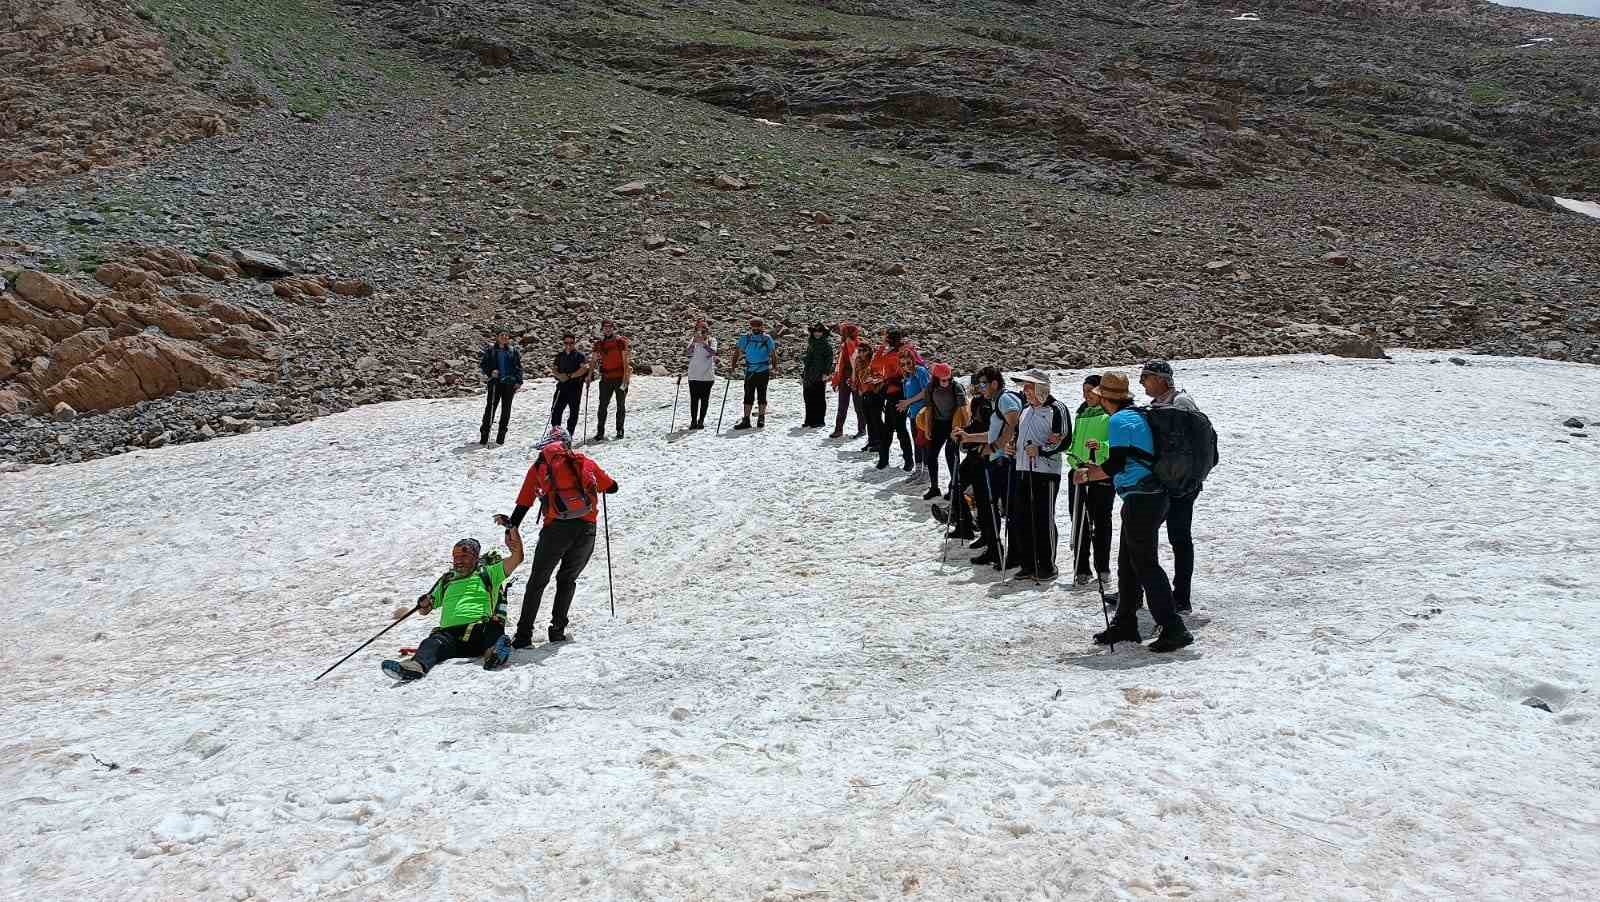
x,y
514,543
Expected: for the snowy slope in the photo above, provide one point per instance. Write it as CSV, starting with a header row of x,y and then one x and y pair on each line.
x,y
796,700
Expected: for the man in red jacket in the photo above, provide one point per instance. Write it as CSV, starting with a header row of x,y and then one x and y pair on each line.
x,y
568,485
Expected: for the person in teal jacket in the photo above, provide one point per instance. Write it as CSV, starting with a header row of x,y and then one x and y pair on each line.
x,y
1091,502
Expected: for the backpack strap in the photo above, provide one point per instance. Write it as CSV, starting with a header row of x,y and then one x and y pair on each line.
x,y
1058,419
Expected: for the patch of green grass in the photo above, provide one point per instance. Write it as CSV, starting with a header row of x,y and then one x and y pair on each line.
x,y
300,47
1488,93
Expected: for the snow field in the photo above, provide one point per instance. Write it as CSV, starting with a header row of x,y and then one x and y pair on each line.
x,y
796,700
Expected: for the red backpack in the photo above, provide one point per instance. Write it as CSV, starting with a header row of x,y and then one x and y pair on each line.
x,y
573,497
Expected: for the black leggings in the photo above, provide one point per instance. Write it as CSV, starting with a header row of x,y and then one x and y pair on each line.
x,y
699,402
930,455
567,400
1091,508
894,423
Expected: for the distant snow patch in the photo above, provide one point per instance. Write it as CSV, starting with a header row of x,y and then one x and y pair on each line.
x,y
1586,207
1536,42
1246,17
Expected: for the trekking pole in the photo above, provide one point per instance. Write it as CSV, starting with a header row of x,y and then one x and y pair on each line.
x,y
1027,487
367,643
1005,550
606,516
675,393
587,379
1099,578
727,383
949,525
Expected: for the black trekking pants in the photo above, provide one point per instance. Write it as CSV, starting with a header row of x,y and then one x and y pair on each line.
x,y
1139,572
699,402
569,398
499,396
467,640
816,398
1033,538
564,543
1180,523
872,405
940,440
1096,499
975,475
608,388
894,426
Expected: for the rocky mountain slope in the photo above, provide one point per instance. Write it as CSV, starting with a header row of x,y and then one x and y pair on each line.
x,y
1059,184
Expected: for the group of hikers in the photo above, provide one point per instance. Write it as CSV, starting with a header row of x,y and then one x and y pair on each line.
x,y
997,454
1005,451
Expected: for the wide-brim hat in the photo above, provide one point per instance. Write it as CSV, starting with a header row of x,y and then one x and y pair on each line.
x,y
1034,376
1113,387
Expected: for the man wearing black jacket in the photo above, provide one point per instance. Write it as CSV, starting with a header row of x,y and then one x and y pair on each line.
x,y
501,364
569,369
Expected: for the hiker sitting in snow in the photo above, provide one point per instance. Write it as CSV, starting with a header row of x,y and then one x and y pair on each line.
x,y
472,619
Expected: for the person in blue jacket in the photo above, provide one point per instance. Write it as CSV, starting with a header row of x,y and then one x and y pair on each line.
x,y
501,364
760,355
1144,507
915,392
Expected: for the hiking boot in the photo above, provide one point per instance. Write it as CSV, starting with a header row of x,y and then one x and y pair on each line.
x,y
599,436
742,424
761,421
619,435
908,466
559,637
1183,608
496,657
1047,574
962,533
931,494
988,557
941,513
980,543
1119,631
1171,637
837,433
882,465
404,670
522,642
1024,575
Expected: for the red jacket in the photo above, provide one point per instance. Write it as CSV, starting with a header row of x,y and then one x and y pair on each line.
x,y
566,480
613,356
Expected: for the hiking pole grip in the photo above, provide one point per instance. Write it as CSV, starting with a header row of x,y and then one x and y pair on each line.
x,y
367,643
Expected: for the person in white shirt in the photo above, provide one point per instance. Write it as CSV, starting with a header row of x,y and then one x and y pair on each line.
x,y
702,372
1044,432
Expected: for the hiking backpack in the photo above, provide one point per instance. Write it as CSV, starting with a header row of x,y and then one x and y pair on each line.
x,y
579,503
1186,448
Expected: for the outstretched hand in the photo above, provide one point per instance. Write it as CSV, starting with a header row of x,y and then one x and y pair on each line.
x,y
424,603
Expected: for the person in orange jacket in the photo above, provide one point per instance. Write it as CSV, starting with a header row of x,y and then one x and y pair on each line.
x,y
568,485
844,381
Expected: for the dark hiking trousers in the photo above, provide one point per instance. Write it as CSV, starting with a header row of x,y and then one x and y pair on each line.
x,y
1139,572
848,399
608,388
872,404
940,440
1180,522
894,426
975,475
1097,499
467,640
499,396
1033,540
816,398
699,401
569,398
564,543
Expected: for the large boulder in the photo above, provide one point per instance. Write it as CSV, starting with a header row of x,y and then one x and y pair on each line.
x,y
133,369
